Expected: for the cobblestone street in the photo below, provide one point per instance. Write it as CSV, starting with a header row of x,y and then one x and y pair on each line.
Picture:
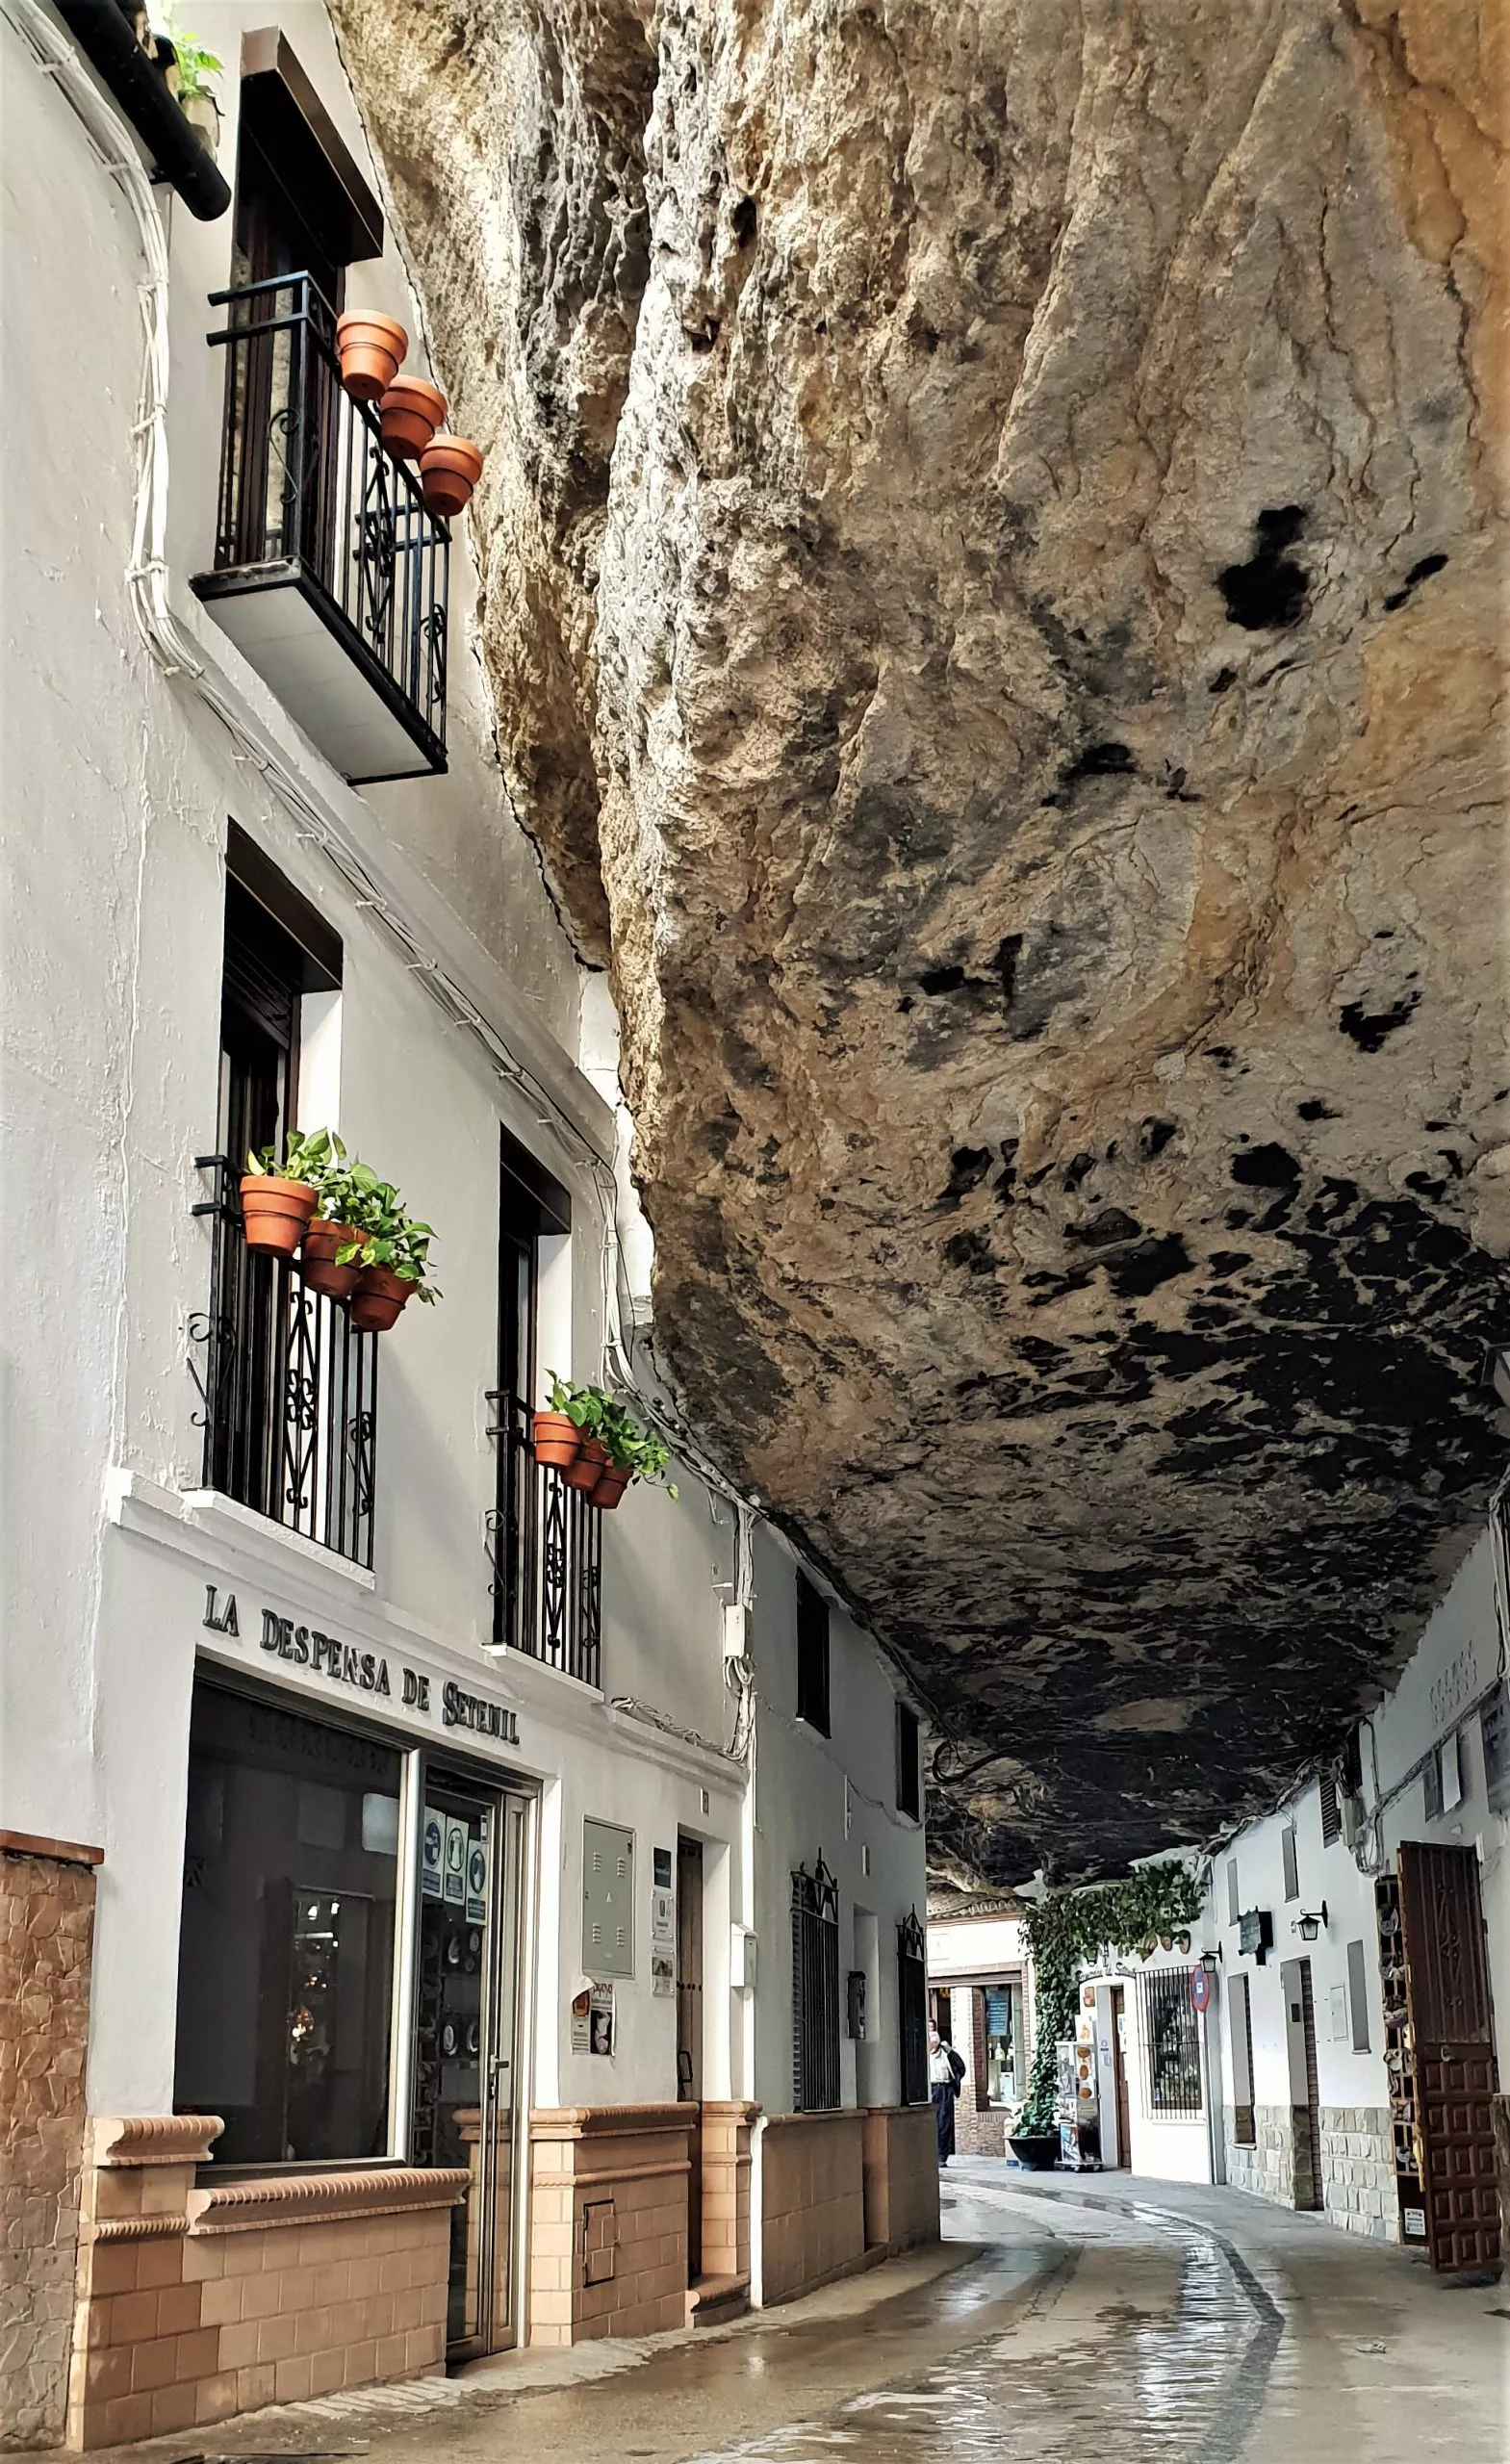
x,y
1071,2317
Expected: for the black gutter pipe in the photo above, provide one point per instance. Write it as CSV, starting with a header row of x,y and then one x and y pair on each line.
x,y
103,34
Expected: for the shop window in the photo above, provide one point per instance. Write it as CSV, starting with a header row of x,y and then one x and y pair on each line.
x,y
1171,2041
1000,2013
909,1774
815,1989
812,1656
285,1953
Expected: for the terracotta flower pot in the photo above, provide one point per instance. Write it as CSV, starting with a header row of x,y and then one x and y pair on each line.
x,y
380,1298
450,468
275,1212
557,1439
592,1461
611,1488
317,1258
371,352
410,412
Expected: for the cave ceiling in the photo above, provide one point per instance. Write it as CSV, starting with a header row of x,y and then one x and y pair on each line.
x,y
993,596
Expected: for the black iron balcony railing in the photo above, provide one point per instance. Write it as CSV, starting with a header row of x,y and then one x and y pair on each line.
x,y
313,505
545,1544
289,1388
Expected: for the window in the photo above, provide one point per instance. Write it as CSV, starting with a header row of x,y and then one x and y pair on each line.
x,y
912,2003
812,1656
1358,1996
815,1989
1287,1850
286,1954
1331,1809
909,1774
1243,2121
999,2015
1174,2045
546,1537
290,1390
1234,1908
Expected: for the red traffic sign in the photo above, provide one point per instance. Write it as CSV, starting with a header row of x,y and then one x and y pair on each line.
x,y
1200,1988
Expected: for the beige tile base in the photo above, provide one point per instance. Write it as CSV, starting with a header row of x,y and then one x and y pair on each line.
x,y
608,2220
196,2303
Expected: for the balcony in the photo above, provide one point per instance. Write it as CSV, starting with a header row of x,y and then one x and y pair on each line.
x,y
289,1389
330,577
545,1543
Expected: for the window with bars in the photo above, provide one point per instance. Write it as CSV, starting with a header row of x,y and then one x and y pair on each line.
x,y
909,1771
913,2003
812,1656
1170,2037
815,1989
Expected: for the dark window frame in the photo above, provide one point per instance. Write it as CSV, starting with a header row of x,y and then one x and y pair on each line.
x,y
816,1990
910,1762
814,1699
1171,2042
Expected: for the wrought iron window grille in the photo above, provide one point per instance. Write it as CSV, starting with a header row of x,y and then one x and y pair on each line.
x,y
287,1389
1171,2037
309,490
815,1989
544,1547
913,2006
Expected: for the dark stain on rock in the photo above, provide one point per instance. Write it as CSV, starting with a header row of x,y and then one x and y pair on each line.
x,y
1104,1230
1269,591
1265,1167
1368,1027
1418,573
972,1250
968,1166
1155,1136
1314,1108
1107,760
1141,1270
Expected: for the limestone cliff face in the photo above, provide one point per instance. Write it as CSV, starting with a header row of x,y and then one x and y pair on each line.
x,y
994,601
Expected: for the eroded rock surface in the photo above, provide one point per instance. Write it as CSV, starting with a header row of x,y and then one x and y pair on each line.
x,y
994,599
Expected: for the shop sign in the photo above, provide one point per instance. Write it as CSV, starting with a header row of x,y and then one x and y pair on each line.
x,y
363,1672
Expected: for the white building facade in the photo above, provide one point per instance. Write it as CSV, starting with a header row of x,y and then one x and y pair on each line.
x,y
442,1914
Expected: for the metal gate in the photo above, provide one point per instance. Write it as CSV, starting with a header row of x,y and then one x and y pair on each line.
x,y
1448,1997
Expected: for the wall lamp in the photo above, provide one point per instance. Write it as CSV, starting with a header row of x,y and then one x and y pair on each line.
x,y
1308,1927
1208,1960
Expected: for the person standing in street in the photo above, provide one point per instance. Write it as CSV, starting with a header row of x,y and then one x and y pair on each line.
x,y
945,2071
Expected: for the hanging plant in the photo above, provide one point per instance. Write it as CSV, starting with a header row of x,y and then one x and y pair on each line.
x,y
1071,1929
609,1448
280,1199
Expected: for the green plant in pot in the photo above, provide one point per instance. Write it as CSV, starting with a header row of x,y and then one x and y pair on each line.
x,y
596,1443
634,1453
389,1247
279,1195
334,1229
193,67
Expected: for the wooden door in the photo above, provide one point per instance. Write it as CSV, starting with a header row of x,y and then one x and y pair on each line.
x,y
1447,1988
689,2031
1124,2128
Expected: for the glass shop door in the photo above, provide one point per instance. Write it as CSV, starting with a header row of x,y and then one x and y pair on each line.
x,y
466,2083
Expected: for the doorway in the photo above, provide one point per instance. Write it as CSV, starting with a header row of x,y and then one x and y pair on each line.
x,y
466,2091
1122,2104
1305,2097
689,2031
1451,2024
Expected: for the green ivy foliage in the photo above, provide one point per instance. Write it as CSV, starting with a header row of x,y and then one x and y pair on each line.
x,y
1071,1929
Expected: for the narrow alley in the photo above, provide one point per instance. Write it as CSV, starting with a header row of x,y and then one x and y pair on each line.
x,y
1065,2318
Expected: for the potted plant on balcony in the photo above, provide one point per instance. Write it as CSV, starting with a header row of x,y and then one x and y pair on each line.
x,y
557,1433
450,468
634,1453
391,1248
371,351
333,1230
409,414
277,1203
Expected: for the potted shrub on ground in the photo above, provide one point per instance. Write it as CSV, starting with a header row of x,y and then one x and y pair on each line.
x,y
276,1205
372,349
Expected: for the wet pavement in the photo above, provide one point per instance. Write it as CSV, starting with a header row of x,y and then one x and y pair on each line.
x,y
1072,2320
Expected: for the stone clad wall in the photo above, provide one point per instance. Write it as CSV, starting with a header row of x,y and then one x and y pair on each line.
x,y
1267,2168
1358,2182
46,1934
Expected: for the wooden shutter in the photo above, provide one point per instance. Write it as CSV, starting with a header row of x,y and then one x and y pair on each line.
x,y
1447,1995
